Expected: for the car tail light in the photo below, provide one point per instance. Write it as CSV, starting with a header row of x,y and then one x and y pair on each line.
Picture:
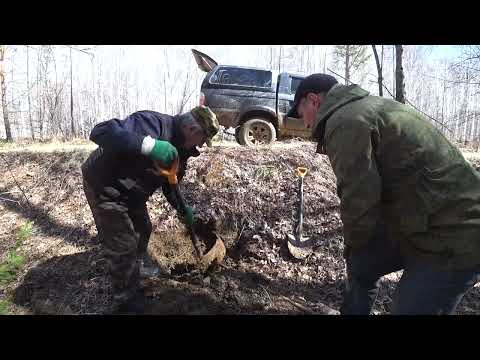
x,y
202,98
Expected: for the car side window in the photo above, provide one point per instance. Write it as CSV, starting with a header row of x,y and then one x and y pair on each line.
x,y
242,77
225,78
215,79
294,84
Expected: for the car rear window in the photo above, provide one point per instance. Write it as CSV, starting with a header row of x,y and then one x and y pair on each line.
x,y
242,77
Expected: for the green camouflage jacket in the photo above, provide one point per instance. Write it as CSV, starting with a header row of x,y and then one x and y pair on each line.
x,y
392,165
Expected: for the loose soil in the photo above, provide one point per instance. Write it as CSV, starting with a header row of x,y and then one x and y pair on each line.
x,y
252,194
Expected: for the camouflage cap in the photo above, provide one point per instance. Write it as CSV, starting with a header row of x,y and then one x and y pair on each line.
x,y
207,120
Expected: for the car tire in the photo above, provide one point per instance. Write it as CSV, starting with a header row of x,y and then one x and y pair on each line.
x,y
257,132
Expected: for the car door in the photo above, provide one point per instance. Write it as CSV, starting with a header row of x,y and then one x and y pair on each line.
x,y
287,86
284,97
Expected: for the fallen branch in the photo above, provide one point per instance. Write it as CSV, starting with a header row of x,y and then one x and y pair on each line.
x,y
324,309
9,192
5,199
298,306
241,232
327,310
268,295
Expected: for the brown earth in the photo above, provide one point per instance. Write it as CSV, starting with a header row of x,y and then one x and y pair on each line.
x,y
252,192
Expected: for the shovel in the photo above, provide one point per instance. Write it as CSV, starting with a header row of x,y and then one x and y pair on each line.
x,y
217,253
299,246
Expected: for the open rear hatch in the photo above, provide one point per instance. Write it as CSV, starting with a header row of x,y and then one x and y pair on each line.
x,y
204,62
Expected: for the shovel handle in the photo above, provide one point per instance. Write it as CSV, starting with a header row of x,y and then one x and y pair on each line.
x,y
171,175
196,243
301,171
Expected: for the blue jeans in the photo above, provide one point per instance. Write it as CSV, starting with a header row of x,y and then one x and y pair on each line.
x,y
423,289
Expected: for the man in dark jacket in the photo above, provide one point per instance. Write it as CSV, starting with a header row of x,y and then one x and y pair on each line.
x,y
409,199
119,177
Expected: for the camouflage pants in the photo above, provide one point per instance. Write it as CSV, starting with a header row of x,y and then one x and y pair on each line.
x,y
124,230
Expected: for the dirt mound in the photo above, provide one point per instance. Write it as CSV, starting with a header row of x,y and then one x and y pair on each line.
x,y
251,192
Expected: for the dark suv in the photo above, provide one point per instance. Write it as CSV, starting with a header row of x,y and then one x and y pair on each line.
x,y
252,101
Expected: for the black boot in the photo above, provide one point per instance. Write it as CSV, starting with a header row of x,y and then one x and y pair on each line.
x,y
129,299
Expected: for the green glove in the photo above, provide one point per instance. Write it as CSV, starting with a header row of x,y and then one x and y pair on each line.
x,y
187,217
164,152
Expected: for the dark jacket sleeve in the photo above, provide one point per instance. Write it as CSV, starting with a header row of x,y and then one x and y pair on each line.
x,y
127,135
350,150
110,135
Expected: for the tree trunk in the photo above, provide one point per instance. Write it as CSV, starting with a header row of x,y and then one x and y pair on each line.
x,y
444,91
165,92
13,110
324,61
347,64
379,71
280,59
271,57
399,76
467,113
393,70
94,112
72,125
32,131
3,89
39,105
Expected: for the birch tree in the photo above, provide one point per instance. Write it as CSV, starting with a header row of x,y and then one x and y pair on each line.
x,y
3,89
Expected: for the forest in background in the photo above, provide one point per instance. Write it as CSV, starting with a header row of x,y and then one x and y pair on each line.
x,y
61,91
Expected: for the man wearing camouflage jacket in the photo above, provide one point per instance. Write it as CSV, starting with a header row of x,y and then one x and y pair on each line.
x,y
409,199
118,179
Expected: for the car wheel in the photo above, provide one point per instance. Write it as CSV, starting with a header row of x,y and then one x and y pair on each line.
x,y
257,132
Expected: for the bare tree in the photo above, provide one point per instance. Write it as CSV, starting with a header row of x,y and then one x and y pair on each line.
x,y
51,96
166,72
72,124
271,57
442,91
40,102
186,94
30,121
350,58
280,58
399,76
3,89
324,61
379,64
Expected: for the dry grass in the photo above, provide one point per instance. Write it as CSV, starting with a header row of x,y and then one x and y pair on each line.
x,y
48,147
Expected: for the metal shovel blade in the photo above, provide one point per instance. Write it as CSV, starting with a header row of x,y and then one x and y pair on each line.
x,y
214,256
299,247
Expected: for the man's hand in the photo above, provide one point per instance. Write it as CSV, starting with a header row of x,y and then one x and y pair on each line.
x,y
187,218
164,152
